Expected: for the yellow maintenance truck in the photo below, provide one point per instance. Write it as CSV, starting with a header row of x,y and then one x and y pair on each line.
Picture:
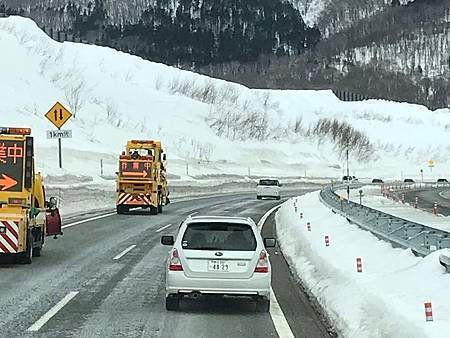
x,y
26,218
142,178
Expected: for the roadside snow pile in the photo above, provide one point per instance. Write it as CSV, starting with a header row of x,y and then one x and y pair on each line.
x,y
386,299
208,126
375,200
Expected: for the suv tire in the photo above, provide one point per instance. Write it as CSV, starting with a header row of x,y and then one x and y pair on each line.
x,y
262,304
172,303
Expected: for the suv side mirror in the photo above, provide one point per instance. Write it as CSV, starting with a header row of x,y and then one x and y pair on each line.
x,y
167,240
270,242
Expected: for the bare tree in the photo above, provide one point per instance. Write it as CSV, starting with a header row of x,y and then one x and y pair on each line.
x,y
75,95
344,137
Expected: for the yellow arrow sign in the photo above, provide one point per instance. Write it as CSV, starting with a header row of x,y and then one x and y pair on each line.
x,y
58,115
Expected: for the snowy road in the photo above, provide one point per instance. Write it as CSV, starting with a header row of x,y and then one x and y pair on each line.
x,y
428,197
106,278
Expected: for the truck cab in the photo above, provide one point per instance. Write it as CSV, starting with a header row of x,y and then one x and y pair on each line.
x,y
26,218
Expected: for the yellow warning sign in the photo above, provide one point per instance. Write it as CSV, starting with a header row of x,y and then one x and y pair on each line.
x,y
58,115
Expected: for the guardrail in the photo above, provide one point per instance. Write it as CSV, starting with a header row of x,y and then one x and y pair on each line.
x,y
387,189
421,239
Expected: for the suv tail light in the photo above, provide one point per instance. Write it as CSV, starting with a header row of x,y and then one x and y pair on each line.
x,y
263,262
175,262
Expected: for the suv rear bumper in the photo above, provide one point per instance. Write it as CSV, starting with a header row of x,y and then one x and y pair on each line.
x,y
258,285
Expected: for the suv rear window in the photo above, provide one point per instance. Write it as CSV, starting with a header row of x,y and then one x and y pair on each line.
x,y
219,236
269,182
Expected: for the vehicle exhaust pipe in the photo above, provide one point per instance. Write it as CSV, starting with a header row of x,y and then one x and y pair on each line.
x,y
196,294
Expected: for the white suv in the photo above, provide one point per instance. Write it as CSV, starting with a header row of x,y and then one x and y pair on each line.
x,y
268,188
215,255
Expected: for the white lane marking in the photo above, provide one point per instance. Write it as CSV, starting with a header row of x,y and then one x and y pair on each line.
x,y
193,214
278,318
52,312
266,215
124,252
163,228
276,313
442,194
88,220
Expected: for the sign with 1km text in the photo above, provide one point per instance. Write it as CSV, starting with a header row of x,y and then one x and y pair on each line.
x,y
55,134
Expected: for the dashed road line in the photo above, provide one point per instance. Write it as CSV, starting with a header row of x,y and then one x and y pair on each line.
x,y
124,252
164,227
52,312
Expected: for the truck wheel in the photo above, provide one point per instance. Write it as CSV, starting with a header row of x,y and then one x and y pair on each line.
x,y
258,197
27,256
172,303
120,209
160,205
37,250
153,210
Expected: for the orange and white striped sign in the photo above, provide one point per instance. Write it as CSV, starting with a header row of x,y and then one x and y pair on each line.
x,y
129,199
9,237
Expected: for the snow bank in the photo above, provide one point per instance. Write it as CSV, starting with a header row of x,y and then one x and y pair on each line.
x,y
386,299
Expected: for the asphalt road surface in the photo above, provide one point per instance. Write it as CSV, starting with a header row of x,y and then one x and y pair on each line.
x,y
428,197
105,278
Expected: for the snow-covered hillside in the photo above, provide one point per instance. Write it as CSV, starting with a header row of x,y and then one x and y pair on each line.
x,y
116,97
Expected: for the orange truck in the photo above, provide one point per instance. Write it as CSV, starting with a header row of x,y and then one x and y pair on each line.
x,y
142,178
26,217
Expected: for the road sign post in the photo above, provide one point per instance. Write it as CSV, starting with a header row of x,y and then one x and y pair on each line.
x,y
58,115
431,165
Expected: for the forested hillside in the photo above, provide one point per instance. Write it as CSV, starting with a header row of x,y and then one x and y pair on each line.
x,y
373,48
182,32
392,49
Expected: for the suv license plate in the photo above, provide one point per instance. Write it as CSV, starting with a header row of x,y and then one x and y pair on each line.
x,y
218,266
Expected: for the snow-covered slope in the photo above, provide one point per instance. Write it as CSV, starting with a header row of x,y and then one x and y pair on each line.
x,y
312,10
117,97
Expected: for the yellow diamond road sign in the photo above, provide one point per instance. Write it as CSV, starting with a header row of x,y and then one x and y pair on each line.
x,y
58,115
